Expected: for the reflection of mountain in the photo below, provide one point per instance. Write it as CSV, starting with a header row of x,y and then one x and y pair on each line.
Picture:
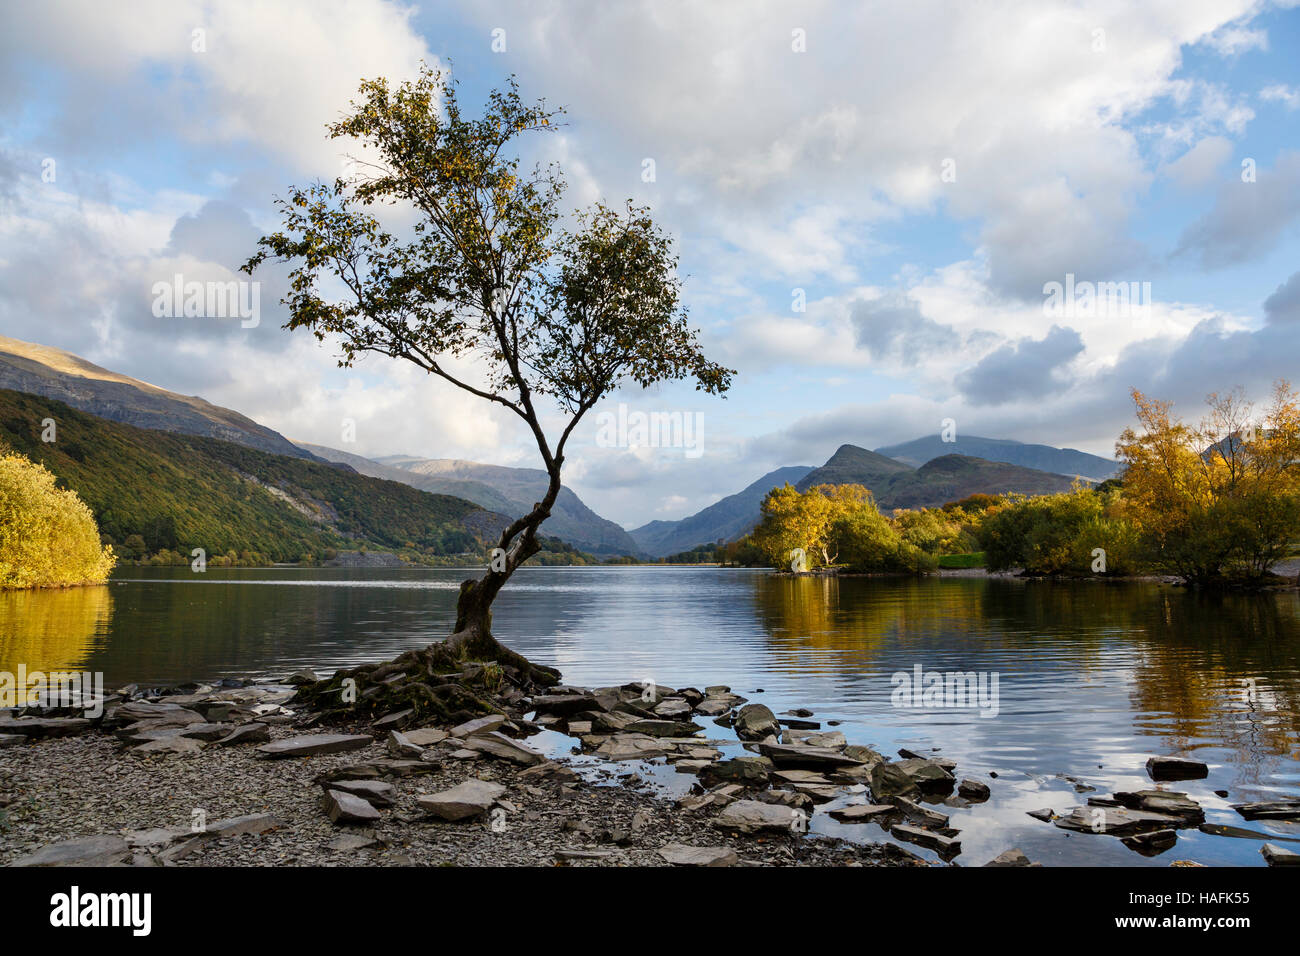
x,y
49,630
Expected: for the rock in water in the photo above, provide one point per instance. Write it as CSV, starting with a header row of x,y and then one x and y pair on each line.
x,y
679,855
862,812
973,790
1012,857
756,722
1176,768
1275,855
1118,822
463,801
311,745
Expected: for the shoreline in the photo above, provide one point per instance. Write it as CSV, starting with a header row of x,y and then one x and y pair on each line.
x,y
247,772
86,796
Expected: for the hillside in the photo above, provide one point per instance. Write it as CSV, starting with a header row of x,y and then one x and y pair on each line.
x,y
481,494
851,465
520,488
1060,461
732,517
893,483
953,477
185,491
53,373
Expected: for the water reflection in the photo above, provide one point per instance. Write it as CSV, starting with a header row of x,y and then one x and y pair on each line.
x,y
1094,677
51,630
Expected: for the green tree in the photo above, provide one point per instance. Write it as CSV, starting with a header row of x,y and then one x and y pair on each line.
x,y
547,314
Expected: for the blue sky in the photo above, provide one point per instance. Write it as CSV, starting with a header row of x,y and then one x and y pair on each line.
x,y
1099,139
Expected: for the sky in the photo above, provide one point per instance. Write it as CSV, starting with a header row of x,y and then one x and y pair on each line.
x,y
877,207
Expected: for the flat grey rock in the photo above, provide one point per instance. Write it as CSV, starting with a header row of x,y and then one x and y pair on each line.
x,y
469,799
753,816
681,855
106,850
344,807
311,745
496,744
1275,855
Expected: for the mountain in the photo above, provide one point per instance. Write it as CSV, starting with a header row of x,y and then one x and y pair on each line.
x,y
851,465
938,481
894,484
182,491
511,491
732,517
953,477
1060,461
54,373
482,495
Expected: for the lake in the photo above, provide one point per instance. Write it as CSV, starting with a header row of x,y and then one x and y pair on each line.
x,y
1092,677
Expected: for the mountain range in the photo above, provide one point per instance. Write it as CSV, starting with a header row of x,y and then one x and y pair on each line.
x,y
893,483
1060,461
925,472
512,491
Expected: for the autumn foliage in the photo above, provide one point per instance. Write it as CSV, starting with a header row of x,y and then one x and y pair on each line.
x,y
48,537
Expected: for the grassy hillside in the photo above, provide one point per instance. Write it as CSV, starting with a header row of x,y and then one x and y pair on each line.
x,y
184,491
60,375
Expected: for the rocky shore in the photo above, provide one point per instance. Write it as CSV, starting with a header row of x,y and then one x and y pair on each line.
x,y
355,770
237,773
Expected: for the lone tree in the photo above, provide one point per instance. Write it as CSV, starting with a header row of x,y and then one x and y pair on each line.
x,y
485,290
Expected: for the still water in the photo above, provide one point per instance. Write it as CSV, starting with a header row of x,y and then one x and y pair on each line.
x,y
1092,678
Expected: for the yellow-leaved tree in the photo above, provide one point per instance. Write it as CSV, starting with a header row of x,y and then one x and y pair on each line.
x,y
1219,501
48,537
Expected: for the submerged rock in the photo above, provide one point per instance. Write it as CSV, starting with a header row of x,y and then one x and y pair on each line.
x,y
1270,810
1176,768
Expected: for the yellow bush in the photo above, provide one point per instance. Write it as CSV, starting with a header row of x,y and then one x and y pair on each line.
x,y
48,537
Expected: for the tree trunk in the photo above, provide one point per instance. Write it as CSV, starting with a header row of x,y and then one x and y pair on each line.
x,y
473,638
